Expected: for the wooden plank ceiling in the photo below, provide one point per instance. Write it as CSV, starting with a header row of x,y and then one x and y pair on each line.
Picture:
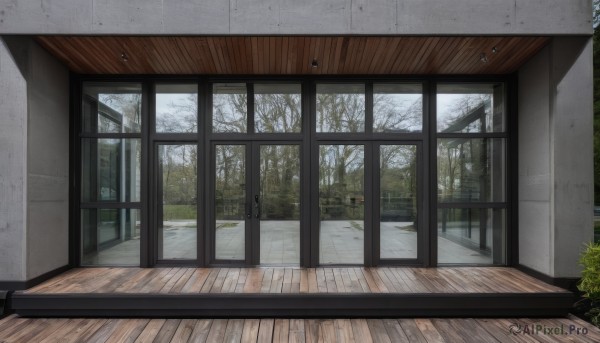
x,y
292,55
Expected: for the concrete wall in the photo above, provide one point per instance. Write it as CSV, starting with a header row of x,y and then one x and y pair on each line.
x,y
13,167
556,157
431,17
35,95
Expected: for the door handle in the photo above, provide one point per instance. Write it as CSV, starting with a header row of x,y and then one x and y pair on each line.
x,y
249,212
257,206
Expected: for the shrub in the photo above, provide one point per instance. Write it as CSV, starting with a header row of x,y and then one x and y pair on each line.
x,y
590,280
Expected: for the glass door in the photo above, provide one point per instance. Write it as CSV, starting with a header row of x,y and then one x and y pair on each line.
x,y
397,218
256,196
177,209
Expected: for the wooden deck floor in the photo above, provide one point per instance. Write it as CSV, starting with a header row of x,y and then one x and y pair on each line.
x,y
15,329
294,280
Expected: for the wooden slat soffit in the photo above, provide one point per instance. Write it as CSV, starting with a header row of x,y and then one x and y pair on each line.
x,y
292,55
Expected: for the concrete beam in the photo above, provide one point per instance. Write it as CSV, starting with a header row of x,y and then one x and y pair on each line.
x,y
285,17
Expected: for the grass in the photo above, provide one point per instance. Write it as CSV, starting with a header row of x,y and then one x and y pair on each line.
x,y
179,212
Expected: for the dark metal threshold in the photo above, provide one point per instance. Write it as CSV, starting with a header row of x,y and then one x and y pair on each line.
x,y
294,305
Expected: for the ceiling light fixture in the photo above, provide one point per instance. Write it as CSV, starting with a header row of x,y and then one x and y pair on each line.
x,y
314,64
124,57
494,50
483,58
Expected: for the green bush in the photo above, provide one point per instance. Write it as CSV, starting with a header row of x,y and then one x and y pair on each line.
x,y
590,280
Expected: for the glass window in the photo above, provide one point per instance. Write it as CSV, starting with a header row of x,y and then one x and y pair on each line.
x,y
398,201
230,107
112,108
470,108
177,205
471,170
397,108
340,108
110,170
110,237
341,204
277,108
177,108
471,236
230,202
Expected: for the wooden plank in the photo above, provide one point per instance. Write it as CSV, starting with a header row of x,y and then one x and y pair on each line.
x,y
150,330
297,333
179,284
210,280
265,330
340,287
277,281
254,281
287,281
412,331
428,330
313,284
447,331
250,331
378,331
128,330
173,280
360,331
233,332
196,282
266,281
395,331
312,331
184,330
299,281
83,332
330,280
201,331
231,279
217,330
375,285
103,333
30,332
281,330
476,332
343,330
219,281
61,332
327,327
167,331
241,282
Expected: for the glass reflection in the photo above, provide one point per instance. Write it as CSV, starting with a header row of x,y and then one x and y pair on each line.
x,y
471,236
230,202
279,204
110,170
176,108
230,107
112,107
177,211
397,108
398,201
340,108
110,237
470,108
471,170
341,203
277,108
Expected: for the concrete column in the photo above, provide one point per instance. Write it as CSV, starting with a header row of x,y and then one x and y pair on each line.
x,y
556,157
13,167
34,161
